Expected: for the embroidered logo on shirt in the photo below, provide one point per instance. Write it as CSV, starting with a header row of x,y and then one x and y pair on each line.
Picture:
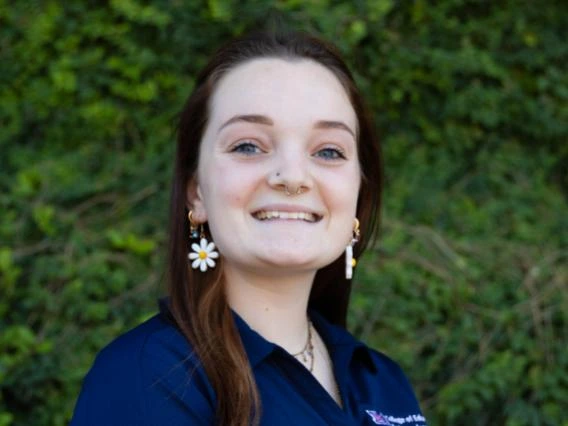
x,y
378,418
383,419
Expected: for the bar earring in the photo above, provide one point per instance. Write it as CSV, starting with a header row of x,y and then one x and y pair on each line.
x,y
350,261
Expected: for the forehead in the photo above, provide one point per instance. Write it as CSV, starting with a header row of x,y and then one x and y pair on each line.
x,y
286,90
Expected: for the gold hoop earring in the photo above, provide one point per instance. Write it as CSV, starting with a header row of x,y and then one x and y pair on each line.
x,y
192,225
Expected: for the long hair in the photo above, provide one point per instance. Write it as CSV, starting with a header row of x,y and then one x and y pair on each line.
x,y
198,302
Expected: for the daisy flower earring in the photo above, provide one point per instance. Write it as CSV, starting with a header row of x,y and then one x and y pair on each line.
x,y
203,253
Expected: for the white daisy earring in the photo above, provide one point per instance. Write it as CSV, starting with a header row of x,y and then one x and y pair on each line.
x,y
350,261
203,253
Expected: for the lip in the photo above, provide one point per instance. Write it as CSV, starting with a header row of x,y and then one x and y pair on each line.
x,y
288,208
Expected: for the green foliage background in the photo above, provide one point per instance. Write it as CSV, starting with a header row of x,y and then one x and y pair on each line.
x,y
467,287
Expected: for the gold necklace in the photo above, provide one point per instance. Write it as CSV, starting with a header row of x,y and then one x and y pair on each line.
x,y
306,355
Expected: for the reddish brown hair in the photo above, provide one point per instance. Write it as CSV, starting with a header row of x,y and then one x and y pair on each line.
x,y
198,301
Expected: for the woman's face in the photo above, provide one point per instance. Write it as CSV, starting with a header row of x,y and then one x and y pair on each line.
x,y
278,175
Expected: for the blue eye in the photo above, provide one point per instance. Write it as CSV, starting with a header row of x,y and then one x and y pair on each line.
x,y
246,148
330,154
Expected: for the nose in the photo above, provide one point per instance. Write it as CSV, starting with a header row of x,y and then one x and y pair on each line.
x,y
291,174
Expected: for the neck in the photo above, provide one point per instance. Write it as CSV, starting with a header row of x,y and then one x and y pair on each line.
x,y
273,306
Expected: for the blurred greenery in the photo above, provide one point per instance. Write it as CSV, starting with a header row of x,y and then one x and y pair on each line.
x,y
467,287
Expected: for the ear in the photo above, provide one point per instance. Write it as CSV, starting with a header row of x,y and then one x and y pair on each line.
x,y
194,201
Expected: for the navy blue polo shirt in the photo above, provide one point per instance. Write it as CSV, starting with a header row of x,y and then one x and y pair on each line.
x,y
149,376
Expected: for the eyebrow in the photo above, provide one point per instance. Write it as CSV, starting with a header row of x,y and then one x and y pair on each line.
x,y
251,118
262,119
327,124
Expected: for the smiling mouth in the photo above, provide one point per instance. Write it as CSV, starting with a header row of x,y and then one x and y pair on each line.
x,y
270,215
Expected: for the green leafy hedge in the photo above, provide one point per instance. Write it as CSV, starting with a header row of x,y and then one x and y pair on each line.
x,y
467,287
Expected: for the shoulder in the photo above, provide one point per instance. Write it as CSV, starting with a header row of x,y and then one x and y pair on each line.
x,y
391,372
146,373
123,354
392,394
385,390
114,382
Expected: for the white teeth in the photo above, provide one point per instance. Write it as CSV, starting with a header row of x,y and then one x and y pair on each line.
x,y
263,215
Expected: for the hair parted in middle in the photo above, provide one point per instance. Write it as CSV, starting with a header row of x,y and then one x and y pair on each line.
x,y
197,300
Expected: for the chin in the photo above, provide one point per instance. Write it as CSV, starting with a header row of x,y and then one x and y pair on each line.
x,y
296,261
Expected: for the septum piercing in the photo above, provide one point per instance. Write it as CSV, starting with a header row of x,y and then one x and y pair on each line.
x,y
288,193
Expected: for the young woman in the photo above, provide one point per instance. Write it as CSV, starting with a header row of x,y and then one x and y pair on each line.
x,y
278,165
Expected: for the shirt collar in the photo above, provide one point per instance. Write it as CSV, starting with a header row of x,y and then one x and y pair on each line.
x,y
342,345
256,346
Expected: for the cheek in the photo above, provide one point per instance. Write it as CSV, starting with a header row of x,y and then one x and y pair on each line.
x,y
226,186
342,191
